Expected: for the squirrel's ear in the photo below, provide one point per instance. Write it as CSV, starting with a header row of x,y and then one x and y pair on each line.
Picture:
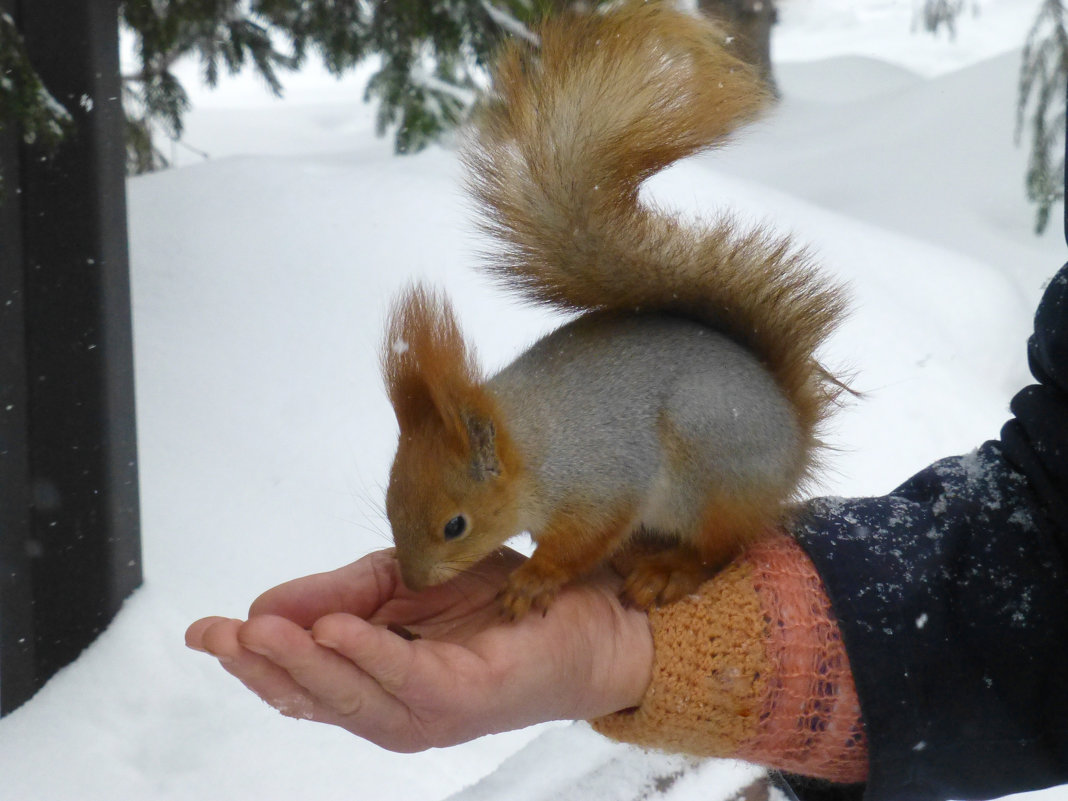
x,y
427,366
482,440
413,402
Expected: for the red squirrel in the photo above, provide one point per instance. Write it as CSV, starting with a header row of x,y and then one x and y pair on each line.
x,y
677,417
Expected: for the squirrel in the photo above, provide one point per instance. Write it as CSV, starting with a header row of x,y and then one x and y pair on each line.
x,y
677,416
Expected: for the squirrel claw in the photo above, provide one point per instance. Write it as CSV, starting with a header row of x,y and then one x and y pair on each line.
x,y
520,596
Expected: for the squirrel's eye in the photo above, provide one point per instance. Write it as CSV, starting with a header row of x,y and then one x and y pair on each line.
x,y
455,527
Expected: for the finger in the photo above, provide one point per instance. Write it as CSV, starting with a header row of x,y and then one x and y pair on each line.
x,y
358,589
388,658
259,674
450,693
333,680
194,635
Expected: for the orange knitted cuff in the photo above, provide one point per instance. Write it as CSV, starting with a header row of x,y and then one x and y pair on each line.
x,y
752,666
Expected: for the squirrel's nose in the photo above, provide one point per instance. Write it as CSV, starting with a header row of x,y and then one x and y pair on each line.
x,y
414,579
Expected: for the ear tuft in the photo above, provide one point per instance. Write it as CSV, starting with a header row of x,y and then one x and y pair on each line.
x,y
428,368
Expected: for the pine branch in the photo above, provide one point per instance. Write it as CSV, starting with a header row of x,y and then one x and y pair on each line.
x,y
222,33
434,54
461,94
24,100
936,14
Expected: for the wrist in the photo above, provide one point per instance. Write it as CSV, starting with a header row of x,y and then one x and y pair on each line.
x,y
751,666
631,662
620,667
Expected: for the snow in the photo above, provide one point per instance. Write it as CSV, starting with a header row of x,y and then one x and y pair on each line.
x,y
606,770
261,278
509,23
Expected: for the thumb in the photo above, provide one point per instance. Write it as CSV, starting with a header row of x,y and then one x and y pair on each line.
x,y
359,589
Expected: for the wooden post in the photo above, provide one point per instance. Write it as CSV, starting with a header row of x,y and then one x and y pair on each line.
x,y
70,537
16,596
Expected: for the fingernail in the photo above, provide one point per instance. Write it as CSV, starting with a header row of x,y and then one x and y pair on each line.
x,y
262,650
224,660
326,643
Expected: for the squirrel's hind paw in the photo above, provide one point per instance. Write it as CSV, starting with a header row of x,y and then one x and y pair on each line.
x,y
660,578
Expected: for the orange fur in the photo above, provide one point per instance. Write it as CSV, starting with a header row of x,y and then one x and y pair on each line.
x,y
430,371
559,152
660,576
574,542
573,130
444,466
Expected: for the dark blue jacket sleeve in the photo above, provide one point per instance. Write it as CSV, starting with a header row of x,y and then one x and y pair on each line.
x,y
952,597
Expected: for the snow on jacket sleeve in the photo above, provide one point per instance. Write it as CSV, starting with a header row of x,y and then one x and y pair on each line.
x,y
952,597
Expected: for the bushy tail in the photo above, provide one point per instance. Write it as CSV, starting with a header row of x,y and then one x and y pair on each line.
x,y
556,160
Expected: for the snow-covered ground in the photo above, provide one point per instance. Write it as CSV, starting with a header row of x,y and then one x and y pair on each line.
x,y
260,279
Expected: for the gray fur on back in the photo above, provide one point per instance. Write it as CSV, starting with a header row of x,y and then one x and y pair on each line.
x,y
587,405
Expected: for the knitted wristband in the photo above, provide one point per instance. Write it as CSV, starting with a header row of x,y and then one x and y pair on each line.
x,y
752,667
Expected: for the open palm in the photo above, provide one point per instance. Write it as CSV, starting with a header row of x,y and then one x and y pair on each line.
x,y
321,648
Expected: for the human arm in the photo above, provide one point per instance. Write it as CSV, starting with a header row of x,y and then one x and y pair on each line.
x,y
953,596
950,595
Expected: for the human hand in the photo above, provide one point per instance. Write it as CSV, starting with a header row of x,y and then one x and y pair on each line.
x,y
319,648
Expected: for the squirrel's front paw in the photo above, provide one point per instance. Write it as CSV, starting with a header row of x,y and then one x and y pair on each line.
x,y
526,590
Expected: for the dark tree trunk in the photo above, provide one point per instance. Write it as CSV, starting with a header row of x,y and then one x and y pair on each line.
x,y
750,21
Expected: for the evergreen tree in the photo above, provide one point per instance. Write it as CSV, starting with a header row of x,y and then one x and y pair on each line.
x,y
433,54
1040,104
934,15
1040,108
218,32
433,57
